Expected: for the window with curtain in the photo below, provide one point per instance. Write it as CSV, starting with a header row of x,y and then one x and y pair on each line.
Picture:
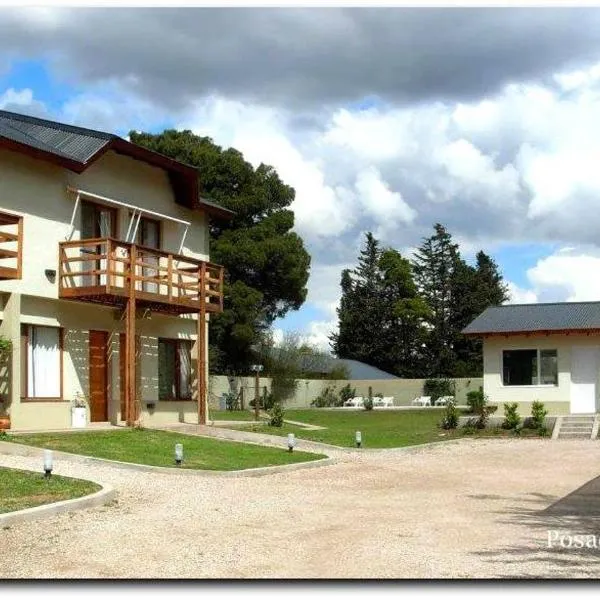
x,y
174,369
41,372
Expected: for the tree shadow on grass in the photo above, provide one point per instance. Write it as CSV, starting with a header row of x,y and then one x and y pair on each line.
x,y
553,530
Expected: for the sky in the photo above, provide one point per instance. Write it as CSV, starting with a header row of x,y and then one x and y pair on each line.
x,y
383,119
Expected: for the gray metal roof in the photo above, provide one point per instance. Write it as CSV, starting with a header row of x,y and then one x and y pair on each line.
x,y
559,316
361,370
67,141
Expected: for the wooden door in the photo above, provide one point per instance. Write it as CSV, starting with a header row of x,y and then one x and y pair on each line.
x,y
98,367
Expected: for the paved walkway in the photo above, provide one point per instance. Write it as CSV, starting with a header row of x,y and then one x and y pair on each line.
x,y
253,437
475,508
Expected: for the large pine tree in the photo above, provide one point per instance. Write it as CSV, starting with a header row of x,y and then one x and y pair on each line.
x,y
380,313
434,265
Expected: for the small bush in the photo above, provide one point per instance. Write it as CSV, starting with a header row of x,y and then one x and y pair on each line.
x,y
276,415
538,417
512,420
475,400
327,397
346,393
368,402
450,418
231,401
438,387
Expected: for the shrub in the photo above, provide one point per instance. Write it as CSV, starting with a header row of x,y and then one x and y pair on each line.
x,y
475,400
368,402
230,400
538,417
450,418
438,387
327,397
346,393
276,415
512,420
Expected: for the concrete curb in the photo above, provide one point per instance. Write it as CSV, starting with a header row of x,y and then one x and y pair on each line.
x,y
99,498
557,426
13,449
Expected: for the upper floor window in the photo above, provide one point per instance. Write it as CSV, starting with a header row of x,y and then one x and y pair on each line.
x,y
148,233
97,220
530,367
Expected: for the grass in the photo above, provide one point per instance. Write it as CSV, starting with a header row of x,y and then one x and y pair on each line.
x,y
379,429
24,489
150,447
231,415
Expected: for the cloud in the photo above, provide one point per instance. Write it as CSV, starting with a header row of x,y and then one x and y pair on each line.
x,y
22,101
302,56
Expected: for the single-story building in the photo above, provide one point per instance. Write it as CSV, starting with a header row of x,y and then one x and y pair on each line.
x,y
547,352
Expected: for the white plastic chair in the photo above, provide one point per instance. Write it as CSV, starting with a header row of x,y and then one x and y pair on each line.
x,y
422,401
387,401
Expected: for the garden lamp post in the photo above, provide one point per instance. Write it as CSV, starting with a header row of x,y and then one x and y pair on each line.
x,y
257,369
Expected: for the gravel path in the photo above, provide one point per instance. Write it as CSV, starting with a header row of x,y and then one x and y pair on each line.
x,y
467,509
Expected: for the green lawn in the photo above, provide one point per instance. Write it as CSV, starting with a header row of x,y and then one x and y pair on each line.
x,y
231,415
24,489
149,447
379,429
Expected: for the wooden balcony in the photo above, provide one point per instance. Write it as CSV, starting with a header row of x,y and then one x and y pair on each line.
x,y
11,246
107,271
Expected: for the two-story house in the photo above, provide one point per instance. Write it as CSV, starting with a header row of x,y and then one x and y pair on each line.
x,y
105,281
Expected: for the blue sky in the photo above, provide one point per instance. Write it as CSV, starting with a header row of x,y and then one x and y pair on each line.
x,y
508,163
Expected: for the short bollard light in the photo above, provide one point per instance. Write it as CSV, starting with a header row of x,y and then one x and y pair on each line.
x,y
178,454
358,438
291,442
48,463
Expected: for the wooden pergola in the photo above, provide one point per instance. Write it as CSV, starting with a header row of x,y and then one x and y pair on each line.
x,y
136,278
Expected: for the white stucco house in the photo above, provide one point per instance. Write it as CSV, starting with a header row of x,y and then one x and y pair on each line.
x,y
105,281
546,352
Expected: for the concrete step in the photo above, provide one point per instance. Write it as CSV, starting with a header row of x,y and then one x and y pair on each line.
x,y
578,425
574,436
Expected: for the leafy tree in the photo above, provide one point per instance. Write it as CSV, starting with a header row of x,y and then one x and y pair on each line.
x,y
265,262
473,290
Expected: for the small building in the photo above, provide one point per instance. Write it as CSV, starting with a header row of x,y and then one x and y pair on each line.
x,y
547,352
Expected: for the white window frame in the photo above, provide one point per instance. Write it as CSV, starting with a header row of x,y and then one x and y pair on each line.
x,y
539,369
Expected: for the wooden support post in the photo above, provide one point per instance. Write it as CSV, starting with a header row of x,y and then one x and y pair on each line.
x,y
20,248
201,351
130,358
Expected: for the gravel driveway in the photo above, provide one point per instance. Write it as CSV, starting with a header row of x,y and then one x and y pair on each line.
x,y
467,509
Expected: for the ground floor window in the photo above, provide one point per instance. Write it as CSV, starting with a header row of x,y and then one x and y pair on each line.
x,y
41,361
174,369
529,367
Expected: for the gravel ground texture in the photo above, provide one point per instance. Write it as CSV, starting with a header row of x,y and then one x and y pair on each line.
x,y
468,509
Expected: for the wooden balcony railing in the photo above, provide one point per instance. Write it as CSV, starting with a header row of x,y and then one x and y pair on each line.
x,y
11,246
101,270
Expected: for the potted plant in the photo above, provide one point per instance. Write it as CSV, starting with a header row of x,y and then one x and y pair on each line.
x,y
79,411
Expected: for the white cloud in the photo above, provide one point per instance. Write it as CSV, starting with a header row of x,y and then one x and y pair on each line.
x,y
519,295
378,200
262,134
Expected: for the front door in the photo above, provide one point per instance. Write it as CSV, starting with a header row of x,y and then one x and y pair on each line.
x,y
98,367
584,374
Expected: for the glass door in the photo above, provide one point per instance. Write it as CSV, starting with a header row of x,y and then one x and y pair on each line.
x,y
148,235
97,221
